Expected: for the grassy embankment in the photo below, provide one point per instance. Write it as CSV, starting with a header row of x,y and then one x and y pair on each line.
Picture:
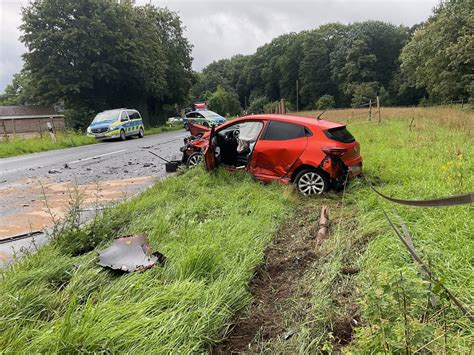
x,y
214,229
388,299
18,145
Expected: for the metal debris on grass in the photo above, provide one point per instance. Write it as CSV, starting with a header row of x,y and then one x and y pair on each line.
x,y
129,254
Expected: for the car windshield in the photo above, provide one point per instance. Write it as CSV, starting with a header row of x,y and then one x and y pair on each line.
x,y
111,115
209,114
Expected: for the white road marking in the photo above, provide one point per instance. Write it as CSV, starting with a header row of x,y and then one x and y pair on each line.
x,y
97,156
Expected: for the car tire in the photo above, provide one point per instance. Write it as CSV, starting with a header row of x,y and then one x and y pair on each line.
x,y
194,160
310,182
141,133
186,127
123,136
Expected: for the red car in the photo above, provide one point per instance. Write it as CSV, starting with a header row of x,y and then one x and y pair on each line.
x,y
313,154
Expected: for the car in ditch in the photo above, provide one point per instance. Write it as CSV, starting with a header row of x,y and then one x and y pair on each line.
x,y
313,154
118,123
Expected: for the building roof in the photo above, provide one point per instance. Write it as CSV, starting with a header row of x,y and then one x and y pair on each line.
x,y
27,111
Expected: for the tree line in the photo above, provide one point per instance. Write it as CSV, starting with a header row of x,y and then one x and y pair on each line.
x,y
91,55
339,65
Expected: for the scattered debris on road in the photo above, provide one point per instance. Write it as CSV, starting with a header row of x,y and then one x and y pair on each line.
x,y
129,254
54,171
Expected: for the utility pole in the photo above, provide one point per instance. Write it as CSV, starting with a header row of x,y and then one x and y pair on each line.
x,y
297,96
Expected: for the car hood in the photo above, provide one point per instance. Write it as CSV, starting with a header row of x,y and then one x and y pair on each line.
x,y
101,124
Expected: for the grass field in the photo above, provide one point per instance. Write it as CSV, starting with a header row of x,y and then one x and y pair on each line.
x,y
14,146
214,229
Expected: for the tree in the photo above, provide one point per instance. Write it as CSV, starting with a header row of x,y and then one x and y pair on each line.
x,y
95,55
325,102
224,102
439,55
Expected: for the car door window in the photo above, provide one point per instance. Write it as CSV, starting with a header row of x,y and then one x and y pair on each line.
x,y
123,116
280,131
133,115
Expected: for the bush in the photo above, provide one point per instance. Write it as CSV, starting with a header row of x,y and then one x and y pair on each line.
x,y
257,104
325,102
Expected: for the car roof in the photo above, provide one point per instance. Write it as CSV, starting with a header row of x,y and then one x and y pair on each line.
x,y
303,120
203,111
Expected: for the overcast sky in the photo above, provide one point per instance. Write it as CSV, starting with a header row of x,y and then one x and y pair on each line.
x,y
220,29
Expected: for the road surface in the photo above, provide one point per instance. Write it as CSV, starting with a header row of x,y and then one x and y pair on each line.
x,y
37,189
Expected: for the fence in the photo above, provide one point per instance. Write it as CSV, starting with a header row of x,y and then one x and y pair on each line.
x,y
22,125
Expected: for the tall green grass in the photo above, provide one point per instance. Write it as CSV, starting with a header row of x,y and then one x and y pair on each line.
x,y
427,161
213,229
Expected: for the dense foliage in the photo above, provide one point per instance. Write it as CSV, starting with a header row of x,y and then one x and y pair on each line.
x,y
95,55
354,63
91,55
440,55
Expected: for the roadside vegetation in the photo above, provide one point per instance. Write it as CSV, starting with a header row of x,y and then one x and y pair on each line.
x,y
17,145
357,291
213,229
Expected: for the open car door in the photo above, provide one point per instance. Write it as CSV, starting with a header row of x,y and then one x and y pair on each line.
x,y
210,153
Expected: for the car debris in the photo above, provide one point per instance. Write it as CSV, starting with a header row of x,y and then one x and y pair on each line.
x,y
130,253
54,171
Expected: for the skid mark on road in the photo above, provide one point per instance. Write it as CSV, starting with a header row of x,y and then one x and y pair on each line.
x,y
55,199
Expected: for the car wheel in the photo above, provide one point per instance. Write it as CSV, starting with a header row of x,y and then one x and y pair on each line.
x,y
186,127
122,135
311,182
194,159
141,133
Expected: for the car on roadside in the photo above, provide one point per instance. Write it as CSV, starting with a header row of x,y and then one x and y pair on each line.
x,y
203,117
313,154
174,120
117,123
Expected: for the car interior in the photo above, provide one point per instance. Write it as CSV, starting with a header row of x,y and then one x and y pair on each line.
x,y
235,144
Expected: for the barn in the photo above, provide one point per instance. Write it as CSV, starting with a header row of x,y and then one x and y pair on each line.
x,y
29,119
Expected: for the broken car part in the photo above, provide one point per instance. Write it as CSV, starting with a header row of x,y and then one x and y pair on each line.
x,y
130,253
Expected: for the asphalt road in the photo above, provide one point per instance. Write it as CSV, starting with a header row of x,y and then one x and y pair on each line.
x,y
33,187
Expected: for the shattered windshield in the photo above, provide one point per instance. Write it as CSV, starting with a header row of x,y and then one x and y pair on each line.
x,y
111,115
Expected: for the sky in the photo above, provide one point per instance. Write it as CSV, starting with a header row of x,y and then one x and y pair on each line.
x,y
220,28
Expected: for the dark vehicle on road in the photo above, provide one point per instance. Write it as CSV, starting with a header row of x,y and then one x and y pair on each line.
x,y
314,154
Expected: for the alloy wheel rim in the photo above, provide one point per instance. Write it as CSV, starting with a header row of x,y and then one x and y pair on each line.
x,y
311,184
195,160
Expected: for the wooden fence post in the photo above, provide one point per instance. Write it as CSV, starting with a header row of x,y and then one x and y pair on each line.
x,y
40,131
4,130
370,110
283,107
378,109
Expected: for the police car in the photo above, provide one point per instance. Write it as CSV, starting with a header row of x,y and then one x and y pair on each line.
x,y
118,123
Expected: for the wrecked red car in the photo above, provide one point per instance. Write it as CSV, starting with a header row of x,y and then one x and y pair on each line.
x,y
314,154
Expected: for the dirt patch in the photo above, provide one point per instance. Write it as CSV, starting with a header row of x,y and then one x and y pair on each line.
x,y
276,284
40,201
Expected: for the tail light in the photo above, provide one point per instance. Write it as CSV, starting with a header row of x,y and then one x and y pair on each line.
x,y
335,152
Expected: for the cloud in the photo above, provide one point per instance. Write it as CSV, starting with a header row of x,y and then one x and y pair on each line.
x,y
11,48
221,29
